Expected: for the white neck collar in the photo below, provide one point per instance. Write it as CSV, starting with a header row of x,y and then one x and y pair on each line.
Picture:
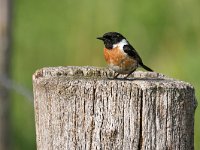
x,y
121,44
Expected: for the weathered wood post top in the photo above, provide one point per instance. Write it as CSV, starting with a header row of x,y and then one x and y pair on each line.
x,y
82,108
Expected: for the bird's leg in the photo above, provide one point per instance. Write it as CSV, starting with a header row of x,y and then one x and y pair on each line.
x,y
129,74
115,77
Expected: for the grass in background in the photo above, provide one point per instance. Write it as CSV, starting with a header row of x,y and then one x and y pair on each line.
x,y
52,33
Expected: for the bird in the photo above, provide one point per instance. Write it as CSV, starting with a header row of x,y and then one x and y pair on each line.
x,y
120,55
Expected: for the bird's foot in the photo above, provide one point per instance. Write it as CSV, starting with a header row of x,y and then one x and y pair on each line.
x,y
115,77
129,74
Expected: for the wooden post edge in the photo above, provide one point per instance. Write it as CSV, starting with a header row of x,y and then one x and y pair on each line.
x,y
84,108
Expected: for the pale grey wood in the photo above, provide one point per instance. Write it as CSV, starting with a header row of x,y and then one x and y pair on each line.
x,y
80,108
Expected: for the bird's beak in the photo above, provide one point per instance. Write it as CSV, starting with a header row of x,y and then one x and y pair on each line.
x,y
101,38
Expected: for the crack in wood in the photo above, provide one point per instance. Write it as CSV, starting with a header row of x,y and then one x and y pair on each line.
x,y
92,125
140,131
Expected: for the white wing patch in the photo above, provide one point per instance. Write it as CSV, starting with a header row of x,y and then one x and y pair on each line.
x,y
121,44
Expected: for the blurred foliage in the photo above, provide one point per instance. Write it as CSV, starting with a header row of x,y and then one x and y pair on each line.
x,y
62,33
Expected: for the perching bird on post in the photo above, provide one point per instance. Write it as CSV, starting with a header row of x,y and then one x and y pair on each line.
x,y
120,54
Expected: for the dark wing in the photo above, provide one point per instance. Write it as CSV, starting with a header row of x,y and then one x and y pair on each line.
x,y
130,51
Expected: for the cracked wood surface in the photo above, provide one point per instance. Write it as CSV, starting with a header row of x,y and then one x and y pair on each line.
x,y
81,108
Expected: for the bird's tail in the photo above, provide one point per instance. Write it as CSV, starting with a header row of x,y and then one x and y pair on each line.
x,y
145,67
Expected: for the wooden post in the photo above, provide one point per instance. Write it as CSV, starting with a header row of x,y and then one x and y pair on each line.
x,y
80,108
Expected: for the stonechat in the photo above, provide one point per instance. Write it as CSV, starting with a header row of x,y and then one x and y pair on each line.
x,y
120,54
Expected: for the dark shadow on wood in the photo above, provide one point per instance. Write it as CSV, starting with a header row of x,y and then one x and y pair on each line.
x,y
140,79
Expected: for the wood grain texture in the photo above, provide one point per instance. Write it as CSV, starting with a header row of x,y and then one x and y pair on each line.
x,y
80,108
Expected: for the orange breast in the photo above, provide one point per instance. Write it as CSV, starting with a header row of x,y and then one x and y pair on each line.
x,y
115,57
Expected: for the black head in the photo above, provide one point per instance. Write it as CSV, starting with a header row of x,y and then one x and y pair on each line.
x,y
111,38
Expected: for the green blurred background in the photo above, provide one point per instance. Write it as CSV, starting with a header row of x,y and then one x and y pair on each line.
x,y
61,33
